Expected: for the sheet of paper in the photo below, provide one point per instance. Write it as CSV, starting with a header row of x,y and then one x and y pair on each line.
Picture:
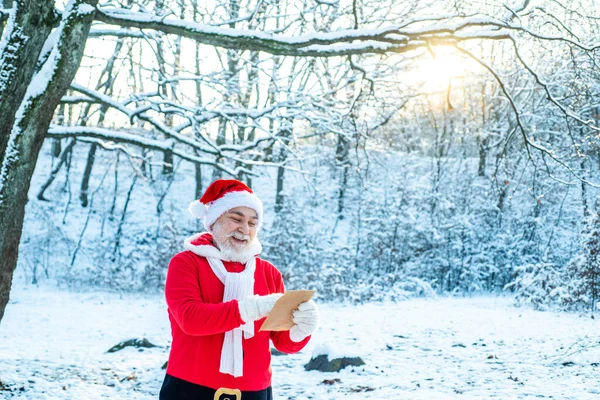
x,y
280,317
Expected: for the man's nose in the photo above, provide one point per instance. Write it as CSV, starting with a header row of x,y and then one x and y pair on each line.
x,y
244,228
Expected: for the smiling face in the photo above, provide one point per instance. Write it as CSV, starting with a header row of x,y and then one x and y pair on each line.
x,y
234,232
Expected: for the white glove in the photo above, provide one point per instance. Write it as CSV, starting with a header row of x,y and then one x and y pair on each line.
x,y
257,307
306,318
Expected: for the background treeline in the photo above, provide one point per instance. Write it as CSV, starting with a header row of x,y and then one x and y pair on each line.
x,y
455,168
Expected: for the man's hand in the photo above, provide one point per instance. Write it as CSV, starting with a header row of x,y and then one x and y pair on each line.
x,y
257,307
306,318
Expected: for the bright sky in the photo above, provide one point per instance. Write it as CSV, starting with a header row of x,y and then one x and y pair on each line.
x,y
441,66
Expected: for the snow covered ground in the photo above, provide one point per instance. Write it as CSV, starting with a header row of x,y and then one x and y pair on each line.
x,y
53,346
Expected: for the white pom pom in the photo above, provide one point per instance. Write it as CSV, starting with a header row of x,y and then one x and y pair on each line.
x,y
197,209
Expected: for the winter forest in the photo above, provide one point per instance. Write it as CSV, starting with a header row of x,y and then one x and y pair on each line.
x,y
430,167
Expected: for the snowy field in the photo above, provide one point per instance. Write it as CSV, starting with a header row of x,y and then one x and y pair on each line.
x,y
53,346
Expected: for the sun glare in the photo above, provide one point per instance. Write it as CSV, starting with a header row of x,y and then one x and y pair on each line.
x,y
439,68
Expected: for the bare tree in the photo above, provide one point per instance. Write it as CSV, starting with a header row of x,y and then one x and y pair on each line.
x,y
32,106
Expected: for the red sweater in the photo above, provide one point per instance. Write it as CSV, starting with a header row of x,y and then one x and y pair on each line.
x,y
199,319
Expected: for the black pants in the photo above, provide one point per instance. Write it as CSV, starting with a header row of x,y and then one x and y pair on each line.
x,y
178,389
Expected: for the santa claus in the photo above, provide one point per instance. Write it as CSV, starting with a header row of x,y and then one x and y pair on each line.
x,y
218,293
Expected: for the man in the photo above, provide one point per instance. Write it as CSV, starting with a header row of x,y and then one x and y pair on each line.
x,y
218,293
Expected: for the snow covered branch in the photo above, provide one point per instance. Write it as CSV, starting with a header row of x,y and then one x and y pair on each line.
x,y
396,38
123,33
108,135
133,139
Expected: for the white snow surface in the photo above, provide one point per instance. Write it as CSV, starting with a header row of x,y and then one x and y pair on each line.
x,y
53,346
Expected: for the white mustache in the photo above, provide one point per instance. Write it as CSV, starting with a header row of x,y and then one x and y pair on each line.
x,y
239,236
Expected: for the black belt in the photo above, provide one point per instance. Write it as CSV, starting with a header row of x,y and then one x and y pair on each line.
x,y
178,389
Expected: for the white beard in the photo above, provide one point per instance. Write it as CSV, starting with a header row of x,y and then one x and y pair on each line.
x,y
231,253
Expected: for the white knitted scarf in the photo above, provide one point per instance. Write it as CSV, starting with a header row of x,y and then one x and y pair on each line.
x,y
238,286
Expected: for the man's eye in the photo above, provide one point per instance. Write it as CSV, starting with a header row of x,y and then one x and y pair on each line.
x,y
252,225
236,220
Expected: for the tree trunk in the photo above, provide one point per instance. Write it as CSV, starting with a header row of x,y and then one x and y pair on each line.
x,y
584,201
482,155
117,250
197,167
279,192
482,139
198,175
62,159
33,22
35,114
221,140
286,133
168,163
56,143
341,158
87,173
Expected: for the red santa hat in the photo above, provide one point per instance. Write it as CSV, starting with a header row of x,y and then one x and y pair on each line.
x,y
221,196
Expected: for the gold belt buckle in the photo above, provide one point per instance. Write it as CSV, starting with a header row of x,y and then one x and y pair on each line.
x,y
236,393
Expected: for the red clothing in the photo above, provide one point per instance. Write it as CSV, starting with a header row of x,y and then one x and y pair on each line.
x,y
199,320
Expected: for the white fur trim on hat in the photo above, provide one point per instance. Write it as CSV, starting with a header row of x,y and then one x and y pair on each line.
x,y
197,209
229,201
